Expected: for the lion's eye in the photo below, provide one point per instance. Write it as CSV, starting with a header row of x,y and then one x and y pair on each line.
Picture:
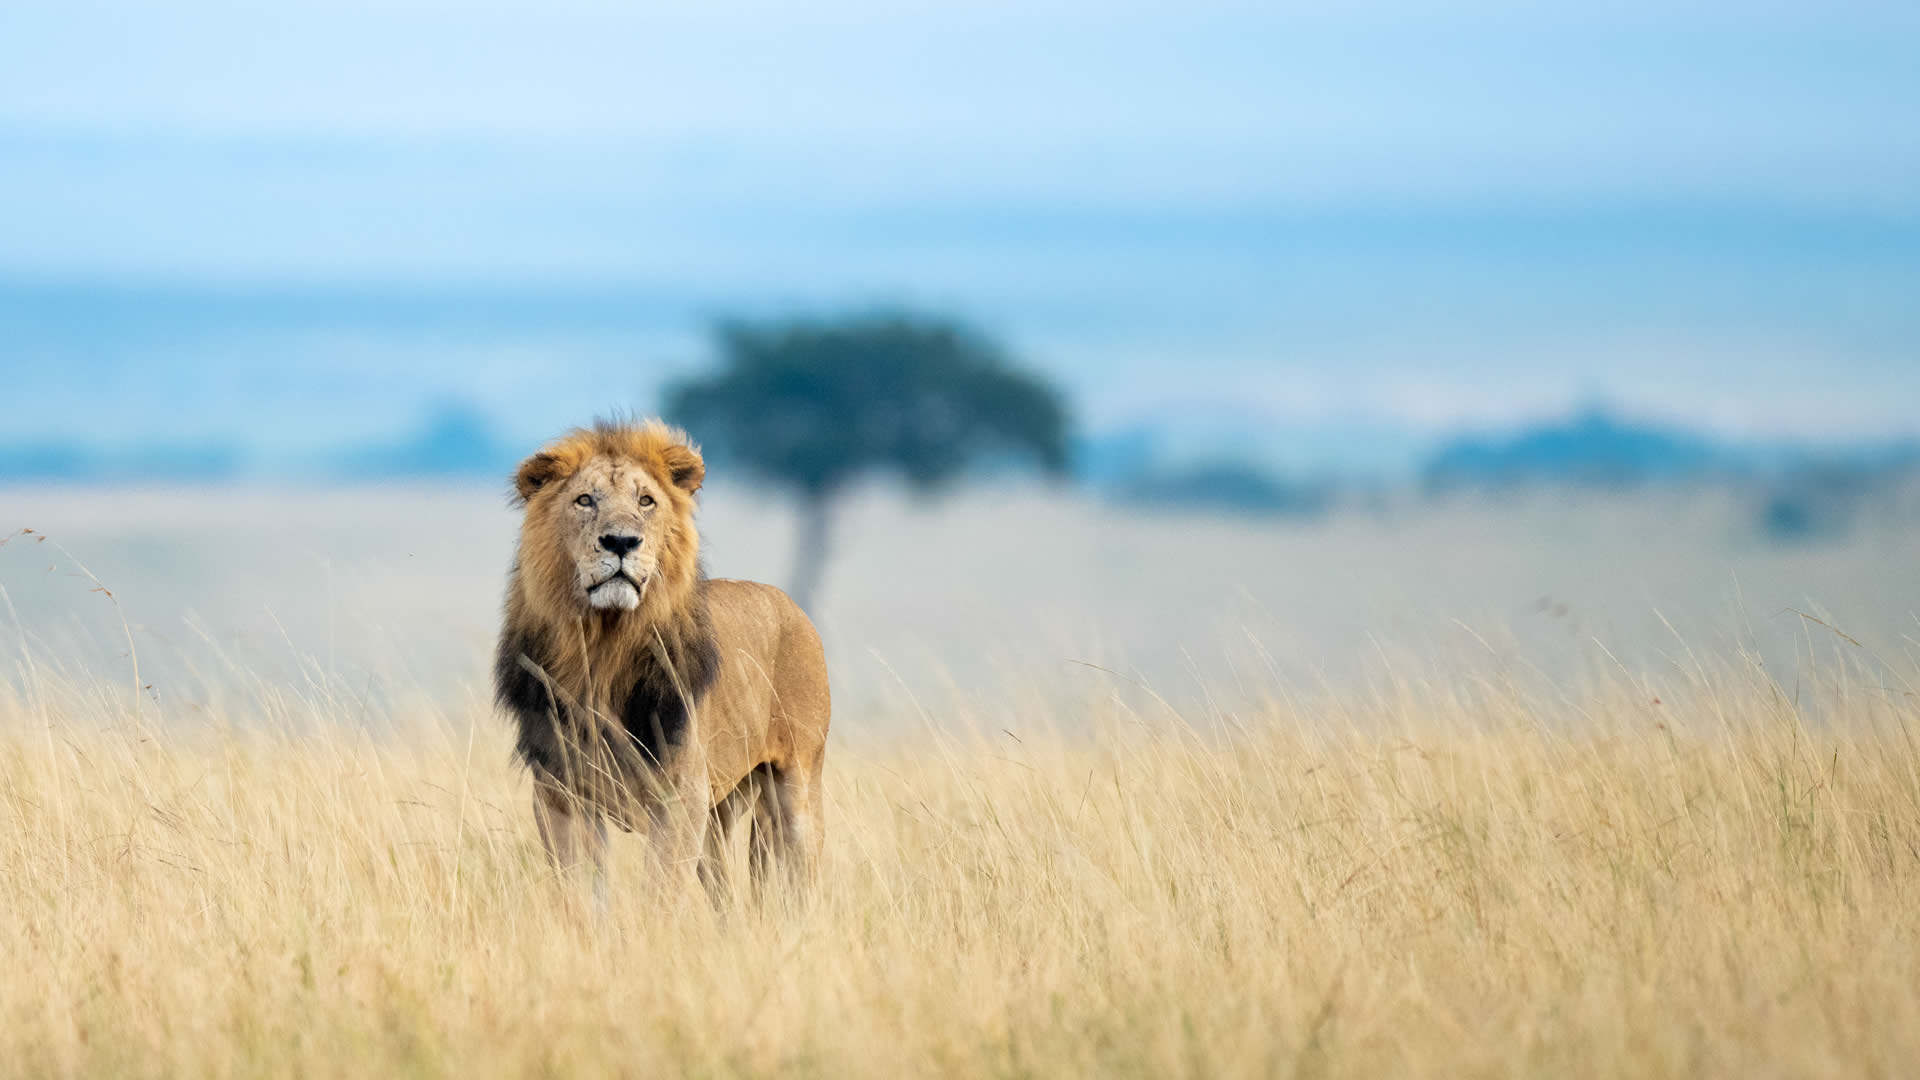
x,y
646,500
584,500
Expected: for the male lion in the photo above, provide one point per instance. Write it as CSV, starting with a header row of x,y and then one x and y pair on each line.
x,y
644,692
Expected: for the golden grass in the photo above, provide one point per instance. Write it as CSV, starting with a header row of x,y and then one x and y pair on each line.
x,y
1471,879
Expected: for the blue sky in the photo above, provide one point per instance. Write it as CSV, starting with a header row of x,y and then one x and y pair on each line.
x,y
1364,218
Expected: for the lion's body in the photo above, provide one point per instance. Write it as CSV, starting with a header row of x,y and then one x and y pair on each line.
x,y
680,704
769,704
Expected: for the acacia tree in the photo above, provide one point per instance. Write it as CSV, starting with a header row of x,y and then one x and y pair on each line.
x,y
813,405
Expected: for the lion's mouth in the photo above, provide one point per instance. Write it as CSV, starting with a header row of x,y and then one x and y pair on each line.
x,y
619,592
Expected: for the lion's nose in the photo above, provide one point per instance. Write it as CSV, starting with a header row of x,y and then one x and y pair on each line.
x,y
619,544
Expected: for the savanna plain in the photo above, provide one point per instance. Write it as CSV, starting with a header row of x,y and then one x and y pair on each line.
x,y
1597,788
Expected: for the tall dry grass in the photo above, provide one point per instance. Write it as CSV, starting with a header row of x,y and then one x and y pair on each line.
x,y
1464,876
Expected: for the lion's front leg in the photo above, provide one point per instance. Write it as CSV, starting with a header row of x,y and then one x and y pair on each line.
x,y
572,834
677,820
554,815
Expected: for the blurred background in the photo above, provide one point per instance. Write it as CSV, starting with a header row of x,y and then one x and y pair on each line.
x,y
1217,342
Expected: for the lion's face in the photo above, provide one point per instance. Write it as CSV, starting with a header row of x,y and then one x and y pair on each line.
x,y
609,519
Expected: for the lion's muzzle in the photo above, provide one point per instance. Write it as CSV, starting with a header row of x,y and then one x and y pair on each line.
x,y
617,593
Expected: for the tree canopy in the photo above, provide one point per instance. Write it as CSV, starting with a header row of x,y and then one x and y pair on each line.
x,y
813,404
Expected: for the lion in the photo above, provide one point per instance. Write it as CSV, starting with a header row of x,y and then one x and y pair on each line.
x,y
645,693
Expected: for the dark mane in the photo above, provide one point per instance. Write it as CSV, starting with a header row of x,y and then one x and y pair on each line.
x,y
667,678
676,673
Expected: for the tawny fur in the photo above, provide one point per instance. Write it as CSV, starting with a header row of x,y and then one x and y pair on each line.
x,y
702,704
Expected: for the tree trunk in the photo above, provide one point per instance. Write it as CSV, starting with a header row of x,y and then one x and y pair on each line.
x,y
810,555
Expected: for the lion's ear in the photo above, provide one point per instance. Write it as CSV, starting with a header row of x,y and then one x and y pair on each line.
x,y
537,472
685,468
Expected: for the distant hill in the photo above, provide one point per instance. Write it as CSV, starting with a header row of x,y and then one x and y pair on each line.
x,y
454,440
1796,493
1591,449
76,463
451,441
